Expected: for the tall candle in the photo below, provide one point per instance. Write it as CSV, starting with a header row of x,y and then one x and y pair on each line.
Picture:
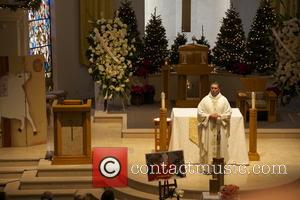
x,y
253,99
162,100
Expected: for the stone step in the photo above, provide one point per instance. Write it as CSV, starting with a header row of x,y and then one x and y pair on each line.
x,y
4,181
48,170
132,194
4,162
152,188
129,193
73,172
14,192
29,180
138,133
121,118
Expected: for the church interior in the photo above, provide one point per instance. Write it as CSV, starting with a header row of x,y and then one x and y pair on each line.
x,y
98,96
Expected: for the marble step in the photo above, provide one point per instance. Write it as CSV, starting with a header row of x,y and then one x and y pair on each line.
x,y
45,169
14,192
14,172
30,180
138,133
100,116
153,189
4,181
5,162
129,193
70,172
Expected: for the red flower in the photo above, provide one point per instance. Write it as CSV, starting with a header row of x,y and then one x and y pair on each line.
x,y
142,69
229,192
149,89
136,90
241,68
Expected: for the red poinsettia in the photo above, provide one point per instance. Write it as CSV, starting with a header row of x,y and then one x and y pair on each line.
x,y
143,69
241,68
149,89
229,192
136,90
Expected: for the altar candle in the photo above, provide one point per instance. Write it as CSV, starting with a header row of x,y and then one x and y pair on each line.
x,y
253,99
162,100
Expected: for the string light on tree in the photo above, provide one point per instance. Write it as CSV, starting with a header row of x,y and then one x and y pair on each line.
x,y
261,55
156,43
231,41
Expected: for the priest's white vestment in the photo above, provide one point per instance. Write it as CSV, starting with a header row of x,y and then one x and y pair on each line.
x,y
208,129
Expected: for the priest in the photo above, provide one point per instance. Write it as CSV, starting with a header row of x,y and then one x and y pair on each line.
x,y
213,114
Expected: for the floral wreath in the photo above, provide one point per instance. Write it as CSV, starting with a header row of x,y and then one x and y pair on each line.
x,y
108,55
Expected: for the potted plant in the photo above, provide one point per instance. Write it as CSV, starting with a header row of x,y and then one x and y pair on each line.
x,y
137,95
149,92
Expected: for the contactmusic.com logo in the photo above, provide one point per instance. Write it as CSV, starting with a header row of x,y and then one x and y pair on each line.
x,y
110,167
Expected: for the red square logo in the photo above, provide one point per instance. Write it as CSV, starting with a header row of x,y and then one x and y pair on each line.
x,y
110,167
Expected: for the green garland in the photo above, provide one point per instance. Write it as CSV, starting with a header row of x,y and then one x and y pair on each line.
x,y
24,4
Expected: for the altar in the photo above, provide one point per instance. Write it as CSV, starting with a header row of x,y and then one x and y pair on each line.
x,y
184,120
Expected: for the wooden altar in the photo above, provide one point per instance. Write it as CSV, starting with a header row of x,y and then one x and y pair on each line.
x,y
72,132
193,61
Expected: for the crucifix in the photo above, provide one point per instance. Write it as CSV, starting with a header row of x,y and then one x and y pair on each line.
x,y
186,16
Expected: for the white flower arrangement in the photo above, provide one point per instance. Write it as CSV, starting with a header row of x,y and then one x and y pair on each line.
x,y
288,54
108,54
178,193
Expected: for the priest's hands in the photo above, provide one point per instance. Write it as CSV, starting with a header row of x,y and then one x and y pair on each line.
x,y
214,116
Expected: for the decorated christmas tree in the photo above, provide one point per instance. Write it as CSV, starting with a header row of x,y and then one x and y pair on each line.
x,y
231,43
261,54
127,16
204,41
174,54
155,43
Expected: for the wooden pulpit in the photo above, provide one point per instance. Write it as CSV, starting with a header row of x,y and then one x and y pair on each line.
x,y
193,61
72,132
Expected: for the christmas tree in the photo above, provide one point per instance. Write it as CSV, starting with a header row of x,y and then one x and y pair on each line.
x,y
174,54
231,42
204,41
127,16
261,55
156,43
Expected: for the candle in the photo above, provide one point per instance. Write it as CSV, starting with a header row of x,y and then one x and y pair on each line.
x,y
253,99
162,100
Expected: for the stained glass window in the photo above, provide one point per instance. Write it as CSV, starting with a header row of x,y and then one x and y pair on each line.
x,y
39,34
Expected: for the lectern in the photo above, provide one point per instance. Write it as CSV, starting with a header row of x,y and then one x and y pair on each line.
x,y
72,132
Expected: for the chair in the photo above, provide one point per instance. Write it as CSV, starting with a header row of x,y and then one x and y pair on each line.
x,y
264,100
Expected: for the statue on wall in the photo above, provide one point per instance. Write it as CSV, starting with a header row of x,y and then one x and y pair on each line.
x,y
13,102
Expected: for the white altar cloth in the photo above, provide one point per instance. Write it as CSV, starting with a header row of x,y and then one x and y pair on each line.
x,y
238,151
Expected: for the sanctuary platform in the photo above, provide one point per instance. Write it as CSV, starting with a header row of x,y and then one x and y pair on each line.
x,y
25,174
